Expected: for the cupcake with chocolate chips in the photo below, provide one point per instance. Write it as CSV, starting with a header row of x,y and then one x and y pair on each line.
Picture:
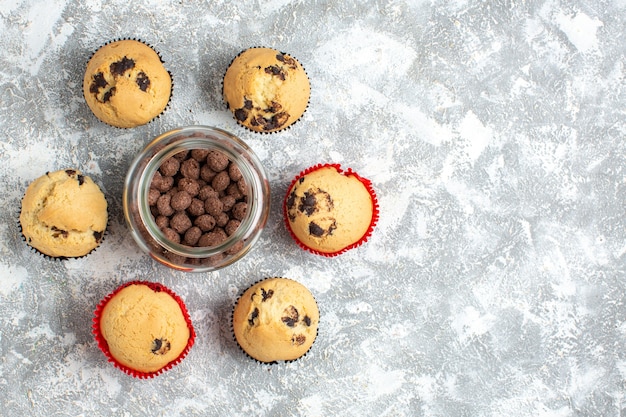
x,y
143,328
276,320
63,214
329,211
126,84
266,90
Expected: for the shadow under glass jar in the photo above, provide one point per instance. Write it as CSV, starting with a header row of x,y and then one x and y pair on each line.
x,y
141,220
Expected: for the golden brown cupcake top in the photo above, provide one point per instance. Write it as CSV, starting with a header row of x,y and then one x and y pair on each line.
x,y
328,211
64,214
276,319
266,90
144,329
126,84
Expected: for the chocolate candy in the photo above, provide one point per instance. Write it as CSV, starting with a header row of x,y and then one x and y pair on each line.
x,y
198,197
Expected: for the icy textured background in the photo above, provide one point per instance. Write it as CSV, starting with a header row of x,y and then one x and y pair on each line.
x,y
494,133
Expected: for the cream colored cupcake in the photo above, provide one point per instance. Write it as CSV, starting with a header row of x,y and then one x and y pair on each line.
x,y
144,328
266,90
126,84
329,211
64,214
276,320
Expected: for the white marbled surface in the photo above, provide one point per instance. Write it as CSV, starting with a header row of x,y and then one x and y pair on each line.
x,y
494,133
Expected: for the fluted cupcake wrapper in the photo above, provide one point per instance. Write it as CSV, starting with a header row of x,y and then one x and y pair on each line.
x,y
260,131
104,347
167,106
348,172
232,328
58,258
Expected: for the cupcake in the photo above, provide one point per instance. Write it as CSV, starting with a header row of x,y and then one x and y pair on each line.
x,y
276,319
143,328
126,84
266,90
63,214
329,211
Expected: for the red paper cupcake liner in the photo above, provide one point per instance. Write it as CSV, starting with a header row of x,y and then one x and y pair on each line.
x,y
375,209
104,347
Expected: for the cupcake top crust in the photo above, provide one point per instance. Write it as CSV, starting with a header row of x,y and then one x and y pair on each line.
x,y
126,84
276,319
64,214
145,328
328,211
266,90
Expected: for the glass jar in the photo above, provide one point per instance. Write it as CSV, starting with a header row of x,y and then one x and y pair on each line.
x,y
141,220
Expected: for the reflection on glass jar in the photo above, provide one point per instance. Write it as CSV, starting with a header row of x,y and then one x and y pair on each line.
x,y
196,198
